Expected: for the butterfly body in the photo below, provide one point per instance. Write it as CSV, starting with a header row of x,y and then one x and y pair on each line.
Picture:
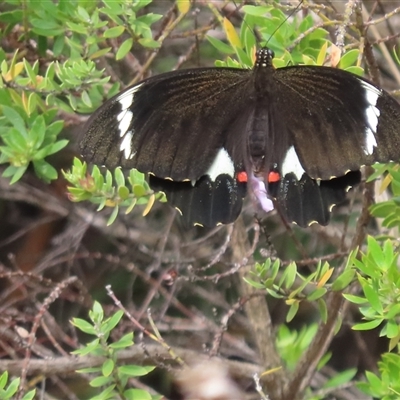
x,y
196,131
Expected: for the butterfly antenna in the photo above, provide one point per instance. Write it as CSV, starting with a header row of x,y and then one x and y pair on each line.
x,y
284,22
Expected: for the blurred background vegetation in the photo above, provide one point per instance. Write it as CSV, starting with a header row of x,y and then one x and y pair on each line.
x,y
288,313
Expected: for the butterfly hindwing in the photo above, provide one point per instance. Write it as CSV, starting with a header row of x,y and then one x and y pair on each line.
x,y
207,202
305,200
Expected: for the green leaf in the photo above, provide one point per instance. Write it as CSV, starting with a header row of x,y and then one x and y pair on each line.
x,y
392,329
114,32
18,172
372,296
220,46
355,299
316,294
12,389
289,275
3,379
136,394
366,326
16,120
114,320
349,58
84,326
44,170
107,367
124,49
125,341
341,378
113,216
135,370
100,381
343,280
292,311
149,43
86,99
323,310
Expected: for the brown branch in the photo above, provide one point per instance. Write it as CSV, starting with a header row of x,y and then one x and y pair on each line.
x,y
259,318
149,354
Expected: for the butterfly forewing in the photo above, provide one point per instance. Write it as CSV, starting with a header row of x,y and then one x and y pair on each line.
x,y
171,125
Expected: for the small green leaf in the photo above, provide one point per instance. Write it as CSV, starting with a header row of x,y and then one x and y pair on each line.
x,y
107,367
316,294
135,370
114,320
292,311
366,326
343,280
149,43
372,296
355,299
15,119
136,394
341,378
100,381
3,379
84,326
11,389
125,341
86,99
114,32
113,216
124,49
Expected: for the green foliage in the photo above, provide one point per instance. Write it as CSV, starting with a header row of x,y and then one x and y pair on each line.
x,y
387,385
292,344
388,210
107,190
283,39
8,392
287,283
110,378
379,278
69,39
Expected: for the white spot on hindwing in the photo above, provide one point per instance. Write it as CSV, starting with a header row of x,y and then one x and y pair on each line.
x,y
222,164
124,118
372,114
291,164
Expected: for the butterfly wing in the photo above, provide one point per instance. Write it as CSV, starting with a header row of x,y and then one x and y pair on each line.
x,y
161,124
338,121
335,122
177,127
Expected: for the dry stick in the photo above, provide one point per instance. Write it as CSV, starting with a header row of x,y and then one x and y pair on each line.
x,y
336,306
382,46
154,353
156,266
259,318
156,336
224,327
167,31
54,295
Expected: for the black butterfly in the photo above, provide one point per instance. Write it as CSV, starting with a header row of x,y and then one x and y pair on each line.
x,y
297,134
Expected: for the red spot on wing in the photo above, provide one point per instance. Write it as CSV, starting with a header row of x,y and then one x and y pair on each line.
x,y
242,177
273,177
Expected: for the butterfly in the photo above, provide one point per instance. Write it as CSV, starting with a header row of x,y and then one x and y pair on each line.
x,y
294,137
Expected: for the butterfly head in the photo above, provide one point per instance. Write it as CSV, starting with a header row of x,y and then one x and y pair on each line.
x,y
264,57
